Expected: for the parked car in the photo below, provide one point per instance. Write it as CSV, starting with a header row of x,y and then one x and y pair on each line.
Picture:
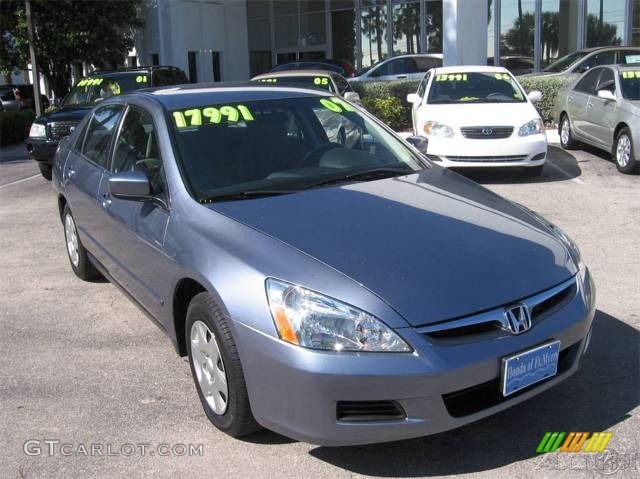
x,y
479,116
335,295
516,64
48,129
339,128
401,67
602,109
9,101
574,64
341,67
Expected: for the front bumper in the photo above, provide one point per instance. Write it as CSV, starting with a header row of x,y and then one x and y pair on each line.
x,y
513,151
295,391
42,149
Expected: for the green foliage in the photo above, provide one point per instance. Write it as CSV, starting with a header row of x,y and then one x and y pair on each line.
x,y
394,93
14,126
388,109
549,86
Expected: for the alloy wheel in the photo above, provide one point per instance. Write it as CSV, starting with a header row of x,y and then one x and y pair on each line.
x,y
623,151
209,367
565,131
71,236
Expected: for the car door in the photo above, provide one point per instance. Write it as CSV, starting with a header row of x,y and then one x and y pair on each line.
x,y
83,173
601,113
416,107
607,57
133,231
578,101
389,70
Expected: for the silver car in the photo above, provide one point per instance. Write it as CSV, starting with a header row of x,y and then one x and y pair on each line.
x,y
337,295
602,109
401,67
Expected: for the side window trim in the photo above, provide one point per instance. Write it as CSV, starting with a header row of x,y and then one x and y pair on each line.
x,y
114,140
111,142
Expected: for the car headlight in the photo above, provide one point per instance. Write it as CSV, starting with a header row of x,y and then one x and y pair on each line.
x,y
38,130
532,127
313,320
435,128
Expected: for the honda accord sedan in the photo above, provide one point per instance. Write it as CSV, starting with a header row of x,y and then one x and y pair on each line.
x,y
337,295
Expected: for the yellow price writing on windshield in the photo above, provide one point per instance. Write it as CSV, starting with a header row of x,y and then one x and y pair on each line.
x,y
269,80
336,104
631,74
452,77
141,79
90,81
320,81
503,76
211,115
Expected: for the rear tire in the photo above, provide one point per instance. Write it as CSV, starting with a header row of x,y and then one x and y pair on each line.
x,y
566,136
533,171
216,368
623,153
76,252
45,170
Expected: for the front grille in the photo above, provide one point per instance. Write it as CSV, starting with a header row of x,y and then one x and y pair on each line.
x,y
369,411
486,132
60,129
483,396
488,159
492,321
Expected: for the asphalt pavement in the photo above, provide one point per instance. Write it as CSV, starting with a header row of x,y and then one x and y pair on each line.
x,y
79,364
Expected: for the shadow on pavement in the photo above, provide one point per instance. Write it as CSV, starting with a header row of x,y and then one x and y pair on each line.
x,y
601,394
560,166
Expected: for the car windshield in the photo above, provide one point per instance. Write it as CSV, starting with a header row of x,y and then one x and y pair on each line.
x,y
566,61
322,82
270,147
90,91
475,87
630,84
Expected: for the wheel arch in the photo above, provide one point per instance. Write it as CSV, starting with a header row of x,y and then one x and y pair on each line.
x,y
62,202
619,127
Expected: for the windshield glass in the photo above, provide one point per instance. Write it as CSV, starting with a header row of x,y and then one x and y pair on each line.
x,y
322,82
564,62
630,84
475,87
90,91
282,146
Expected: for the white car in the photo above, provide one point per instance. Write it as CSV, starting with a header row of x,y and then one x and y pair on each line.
x,y
479,116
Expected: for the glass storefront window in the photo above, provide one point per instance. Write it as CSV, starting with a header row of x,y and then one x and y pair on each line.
x,y
374,32
517,24
343,30
490,32
636,24
559,30
605,22
259,32
406,28
433,22
286,31
312,29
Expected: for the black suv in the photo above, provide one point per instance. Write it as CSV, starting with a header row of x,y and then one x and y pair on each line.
x,y
47,130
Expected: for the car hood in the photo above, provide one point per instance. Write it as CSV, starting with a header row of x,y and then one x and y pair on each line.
x,y
433,245
480,114
67,114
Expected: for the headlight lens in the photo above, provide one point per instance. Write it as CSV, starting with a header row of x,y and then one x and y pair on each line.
x,y
37,130
312,320
532,127
435,128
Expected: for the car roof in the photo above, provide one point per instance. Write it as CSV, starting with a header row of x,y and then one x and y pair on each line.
x,y
132,70
295,73
470,69
185,96
414,55
610,47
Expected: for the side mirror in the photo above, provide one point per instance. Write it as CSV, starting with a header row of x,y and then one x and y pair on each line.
x,y
130,185
352,96
534,96
606,94
420,143
413,98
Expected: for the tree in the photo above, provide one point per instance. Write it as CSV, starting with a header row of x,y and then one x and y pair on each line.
x,y
70,31
11,56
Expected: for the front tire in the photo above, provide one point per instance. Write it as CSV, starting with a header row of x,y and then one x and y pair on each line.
x,y
566,136
623,153
45,170
216,368
76,252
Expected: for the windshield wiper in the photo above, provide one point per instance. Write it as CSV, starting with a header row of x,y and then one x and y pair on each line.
x,y
376,174
245,195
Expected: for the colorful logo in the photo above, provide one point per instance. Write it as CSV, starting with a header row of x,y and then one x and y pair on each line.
x,y
574,442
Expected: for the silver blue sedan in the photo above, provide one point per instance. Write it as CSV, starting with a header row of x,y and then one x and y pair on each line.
x,y
602,108
335,294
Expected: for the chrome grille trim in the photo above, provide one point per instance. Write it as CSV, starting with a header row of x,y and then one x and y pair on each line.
x,y
496,315
486,132
487,159
59,129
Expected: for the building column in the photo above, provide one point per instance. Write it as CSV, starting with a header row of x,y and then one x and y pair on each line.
x,y
464,26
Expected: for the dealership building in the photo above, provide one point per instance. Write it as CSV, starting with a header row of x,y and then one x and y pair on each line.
x,y
224,40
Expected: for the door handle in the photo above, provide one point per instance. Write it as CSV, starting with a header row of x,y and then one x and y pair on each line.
x,y
401,76
106,200
70,172
589,105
